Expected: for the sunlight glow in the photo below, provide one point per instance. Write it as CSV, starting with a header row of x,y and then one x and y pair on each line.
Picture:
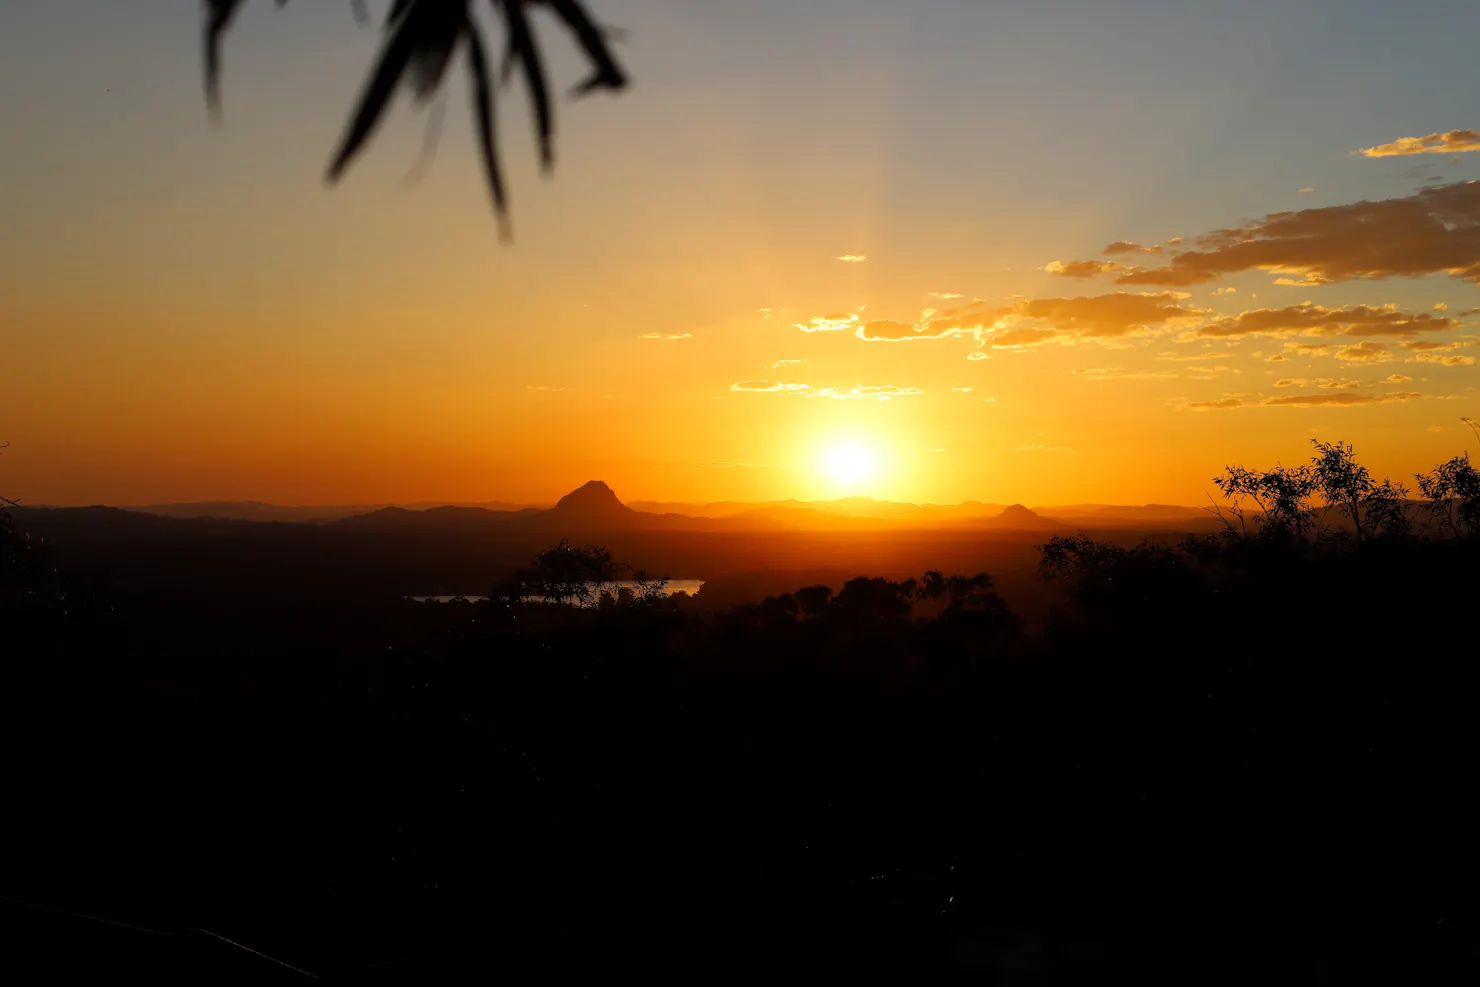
x,y
850,463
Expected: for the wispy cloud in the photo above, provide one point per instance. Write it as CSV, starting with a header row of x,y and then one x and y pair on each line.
x,y
1098,317
542,387
978,355
768,386
1445,359
1448,142
1115,373
659,335
946,295
853,258
1309,318
786,363
1365,352
1435,230
1081,268
855,393
829,323
929,327
1188,357
962,390
1035,447
878,393
1128,247
1344,399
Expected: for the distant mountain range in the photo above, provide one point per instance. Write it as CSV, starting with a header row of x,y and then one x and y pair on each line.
x,y
595,503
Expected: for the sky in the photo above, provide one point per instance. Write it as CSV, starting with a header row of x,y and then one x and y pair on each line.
x,y
1040,251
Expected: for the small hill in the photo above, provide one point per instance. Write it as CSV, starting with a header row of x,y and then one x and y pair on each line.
x,y
593,501
1018,516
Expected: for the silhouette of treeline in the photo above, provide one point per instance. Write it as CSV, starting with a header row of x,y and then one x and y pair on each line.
x,y
1227,759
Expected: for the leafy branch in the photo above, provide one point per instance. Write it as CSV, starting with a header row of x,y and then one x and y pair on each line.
x,y
422,37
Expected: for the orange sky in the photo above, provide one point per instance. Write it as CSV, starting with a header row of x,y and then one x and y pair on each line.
x,y
190,314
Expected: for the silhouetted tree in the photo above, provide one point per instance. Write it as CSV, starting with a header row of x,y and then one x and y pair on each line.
x,y
421,38
1453,492
1370,507
1278,495
871,598
567,574
813,599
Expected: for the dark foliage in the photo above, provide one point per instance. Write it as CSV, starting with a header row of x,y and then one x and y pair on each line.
x,y
1227,760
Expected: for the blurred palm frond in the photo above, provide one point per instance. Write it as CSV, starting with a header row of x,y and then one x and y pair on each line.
x,y
422,37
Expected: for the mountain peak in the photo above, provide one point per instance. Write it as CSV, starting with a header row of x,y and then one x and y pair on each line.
x,y
1018,515
594,497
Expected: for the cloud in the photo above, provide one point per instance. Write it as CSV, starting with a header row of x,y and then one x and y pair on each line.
x,y
1446,360
962,390
1435,230
1018,338
659,335
887,330
1343,400
1326,383
1305,191
856,393
786,363
829,323
944,294
1310,319
1174,241
1366,351
978,356
880,393
1313,349
543,387
853,258
1082,268
1226,291
1441,307
1395,379
1184,357
1107,316
1127,247
1436,428
1211,405
989,400
1276,358
1042,448
1309,281
1449,142
768,386
1115,373
1423,345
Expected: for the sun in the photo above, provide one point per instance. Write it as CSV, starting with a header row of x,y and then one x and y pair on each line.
x,y
850,464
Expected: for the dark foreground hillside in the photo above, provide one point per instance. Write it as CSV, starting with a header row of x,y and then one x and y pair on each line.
x,y
1243,760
